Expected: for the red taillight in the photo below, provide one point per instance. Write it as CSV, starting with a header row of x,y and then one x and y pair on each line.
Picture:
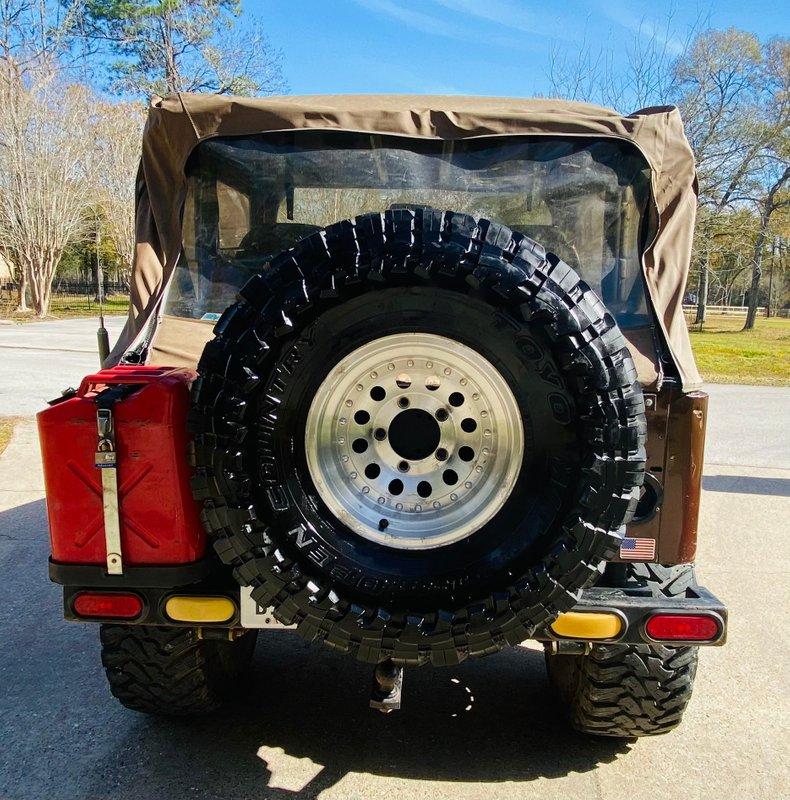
x,y
118,605
682,627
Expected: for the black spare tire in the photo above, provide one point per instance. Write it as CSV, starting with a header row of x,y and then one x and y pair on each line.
x,y
417,435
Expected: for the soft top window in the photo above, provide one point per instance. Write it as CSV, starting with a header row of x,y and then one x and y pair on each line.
x,y
251,197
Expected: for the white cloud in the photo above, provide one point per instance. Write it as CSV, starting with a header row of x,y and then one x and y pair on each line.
x,y
654,29
457,25
414,19
504,13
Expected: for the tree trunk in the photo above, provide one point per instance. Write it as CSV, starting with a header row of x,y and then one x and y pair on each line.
x,y
98,271
172,78
771,279
702,295
22,290
757,272
35,294
42,274
767,207
47,298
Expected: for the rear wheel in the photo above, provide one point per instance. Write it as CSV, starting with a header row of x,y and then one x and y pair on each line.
x,y
630,690
172,671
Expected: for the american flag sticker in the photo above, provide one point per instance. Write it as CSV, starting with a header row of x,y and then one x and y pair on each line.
x,y
637,549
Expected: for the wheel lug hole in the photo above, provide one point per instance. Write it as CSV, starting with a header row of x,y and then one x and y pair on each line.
x,y
403,466
359,445
403,402
441,454
450,477
466,453
380,434
441,414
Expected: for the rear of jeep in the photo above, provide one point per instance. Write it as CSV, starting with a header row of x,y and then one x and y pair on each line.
x,y
408,378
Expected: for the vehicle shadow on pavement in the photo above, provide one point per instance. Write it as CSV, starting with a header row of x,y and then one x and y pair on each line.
x,y
301,725
304,725
746,484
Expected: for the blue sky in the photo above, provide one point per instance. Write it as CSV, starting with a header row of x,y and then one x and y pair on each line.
x,y
496,47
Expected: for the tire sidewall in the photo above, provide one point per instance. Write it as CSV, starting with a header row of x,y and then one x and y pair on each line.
x,y
308,532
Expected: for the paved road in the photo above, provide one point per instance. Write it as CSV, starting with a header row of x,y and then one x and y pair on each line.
x,y
40,359
748,425
305,731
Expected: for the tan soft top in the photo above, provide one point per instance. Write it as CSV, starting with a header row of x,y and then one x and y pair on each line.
x,y
177,123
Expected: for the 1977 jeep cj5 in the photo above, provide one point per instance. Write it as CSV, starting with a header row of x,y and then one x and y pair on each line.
x,y
409,375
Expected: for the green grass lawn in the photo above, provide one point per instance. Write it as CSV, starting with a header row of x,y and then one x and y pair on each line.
x,y
726,354
70,307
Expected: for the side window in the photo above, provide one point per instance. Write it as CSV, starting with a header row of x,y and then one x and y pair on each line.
x,y
234,217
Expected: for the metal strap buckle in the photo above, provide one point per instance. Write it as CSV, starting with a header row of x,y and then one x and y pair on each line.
x,y
106,461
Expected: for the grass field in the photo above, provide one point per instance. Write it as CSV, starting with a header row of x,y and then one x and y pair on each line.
x,y
70,307
726,354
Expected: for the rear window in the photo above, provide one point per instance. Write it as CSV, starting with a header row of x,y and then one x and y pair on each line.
x,y
249,198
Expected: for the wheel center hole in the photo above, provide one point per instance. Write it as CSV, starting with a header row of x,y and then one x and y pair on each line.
x,y
414,434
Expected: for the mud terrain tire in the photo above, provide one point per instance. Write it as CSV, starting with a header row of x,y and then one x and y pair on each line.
x,y
630,690
470,280
170,671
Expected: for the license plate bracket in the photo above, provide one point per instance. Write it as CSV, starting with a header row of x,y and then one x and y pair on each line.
x,y
254,615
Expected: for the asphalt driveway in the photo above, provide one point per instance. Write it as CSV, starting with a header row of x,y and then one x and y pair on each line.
x,y
304,729
40,359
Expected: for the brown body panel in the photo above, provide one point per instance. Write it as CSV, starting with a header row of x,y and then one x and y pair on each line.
x,y
685,449
675,450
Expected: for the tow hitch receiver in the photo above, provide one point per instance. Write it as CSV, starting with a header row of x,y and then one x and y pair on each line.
x,y
387,686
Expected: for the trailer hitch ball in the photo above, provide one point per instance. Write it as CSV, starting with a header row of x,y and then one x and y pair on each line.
x,y
387,686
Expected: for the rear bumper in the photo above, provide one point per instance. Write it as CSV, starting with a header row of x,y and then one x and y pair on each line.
x,y
635,607
156,585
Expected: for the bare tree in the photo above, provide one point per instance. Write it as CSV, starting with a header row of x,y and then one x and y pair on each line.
x,y
592,73
24,49
723,243
47,137
734,94
33,49
773,200
118,138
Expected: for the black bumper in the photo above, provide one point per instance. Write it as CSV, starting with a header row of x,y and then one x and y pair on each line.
x,y
156,584
153,584
636,606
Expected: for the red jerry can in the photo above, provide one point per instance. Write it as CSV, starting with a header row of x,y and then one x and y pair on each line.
x,y
159,519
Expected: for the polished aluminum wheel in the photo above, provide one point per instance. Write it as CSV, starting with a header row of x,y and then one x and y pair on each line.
x,y
414,441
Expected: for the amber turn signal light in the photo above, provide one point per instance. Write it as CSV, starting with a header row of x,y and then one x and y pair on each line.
x,y
587,625
195,608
